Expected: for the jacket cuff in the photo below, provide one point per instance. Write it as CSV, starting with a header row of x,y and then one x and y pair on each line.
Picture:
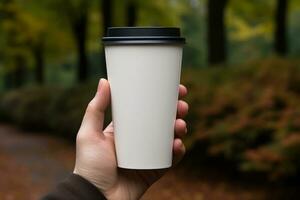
x,y
84,188
75,187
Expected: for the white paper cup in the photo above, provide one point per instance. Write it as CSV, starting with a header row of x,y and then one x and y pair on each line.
x,y
143,66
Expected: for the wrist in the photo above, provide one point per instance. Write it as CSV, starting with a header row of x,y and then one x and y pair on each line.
x,y
110,193
76,185
117,191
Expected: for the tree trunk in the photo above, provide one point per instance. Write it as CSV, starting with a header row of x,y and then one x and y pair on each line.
x,y
80,33
19,72
106,15
106,10
280,41
131,13
38,54
8,80
216,32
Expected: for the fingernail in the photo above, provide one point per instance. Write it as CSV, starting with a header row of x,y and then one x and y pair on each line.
x,y
180,143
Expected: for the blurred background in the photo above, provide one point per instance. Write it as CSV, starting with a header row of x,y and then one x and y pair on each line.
x,y
241,65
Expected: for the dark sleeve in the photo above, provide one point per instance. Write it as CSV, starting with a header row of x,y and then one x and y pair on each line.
x,y
75,188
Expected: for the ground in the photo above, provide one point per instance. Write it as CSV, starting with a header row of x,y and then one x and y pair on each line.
x,y
32,163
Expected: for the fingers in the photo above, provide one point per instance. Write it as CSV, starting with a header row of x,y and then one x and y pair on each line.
x,y
182,106
178,151
182,91
94,116
182,109
180,128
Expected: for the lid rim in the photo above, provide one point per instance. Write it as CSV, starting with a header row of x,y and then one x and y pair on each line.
x,y
106,39
137,42
143,35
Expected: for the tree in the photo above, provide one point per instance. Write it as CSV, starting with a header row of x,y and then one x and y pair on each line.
x,y
107,21
45,27
35,36
78,22
38,52
216,31
280,41
15,44
106,10
75,13
19,71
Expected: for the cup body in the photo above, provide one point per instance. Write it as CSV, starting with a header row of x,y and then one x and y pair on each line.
x,y
144,81
143,66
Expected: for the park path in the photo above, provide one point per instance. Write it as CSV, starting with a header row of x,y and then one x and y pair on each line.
x,y
32,163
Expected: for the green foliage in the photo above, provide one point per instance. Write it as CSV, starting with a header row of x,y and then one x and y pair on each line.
x,y
249,26
249,114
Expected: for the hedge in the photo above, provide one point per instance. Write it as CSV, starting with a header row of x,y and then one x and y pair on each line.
x,y
67,111
248,115
28,107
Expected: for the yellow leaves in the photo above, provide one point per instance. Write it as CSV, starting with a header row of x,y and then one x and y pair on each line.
x,y
250,19
263,154
160,12
9,7
291,140
94,31
35,26
243,31
24,27
294,5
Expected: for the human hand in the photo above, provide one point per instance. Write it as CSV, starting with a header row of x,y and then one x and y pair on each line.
x,y
95,151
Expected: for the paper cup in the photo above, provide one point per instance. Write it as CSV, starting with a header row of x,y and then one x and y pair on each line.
x,y
143,66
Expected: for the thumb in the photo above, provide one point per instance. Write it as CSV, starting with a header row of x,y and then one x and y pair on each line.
x,y
94,116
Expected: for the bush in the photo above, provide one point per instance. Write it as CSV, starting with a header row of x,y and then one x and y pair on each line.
x,y
67,111
29,107
44,108
249,115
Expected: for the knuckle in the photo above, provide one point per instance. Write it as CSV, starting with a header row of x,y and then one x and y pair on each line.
x,y
91,107
181,121
79,138
82,138
187,105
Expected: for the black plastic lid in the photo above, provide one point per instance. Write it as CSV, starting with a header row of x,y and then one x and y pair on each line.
x,y
143,35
